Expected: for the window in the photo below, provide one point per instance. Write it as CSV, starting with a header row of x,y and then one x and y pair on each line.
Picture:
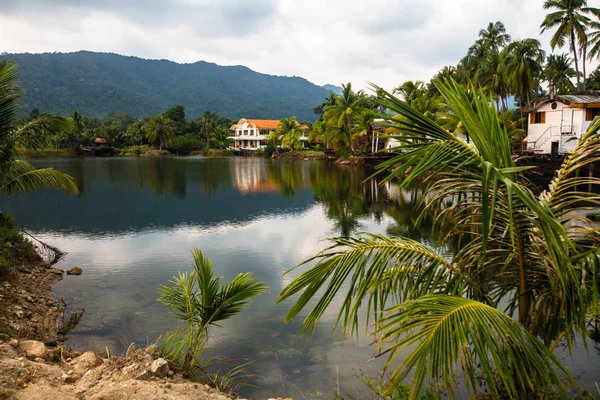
x,y
245,131
537,118
252,132
591,113
239,133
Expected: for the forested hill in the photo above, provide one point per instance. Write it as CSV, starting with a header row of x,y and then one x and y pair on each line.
x,y
99,83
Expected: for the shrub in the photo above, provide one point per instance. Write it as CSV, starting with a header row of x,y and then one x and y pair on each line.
x,y
14,249
182,145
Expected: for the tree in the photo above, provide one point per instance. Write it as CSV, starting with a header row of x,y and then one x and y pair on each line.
x,y
208,123
522,65
200,300
341,114
289,131
220,137
136,132
557,72
570,22
517,254
494,36
594,40
17,175
159,128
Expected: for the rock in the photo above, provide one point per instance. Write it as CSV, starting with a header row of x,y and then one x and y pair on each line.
x,y
136,371
19,314
75,271
29,299
85,362
13,342
33,349
56,271
159,368
318,355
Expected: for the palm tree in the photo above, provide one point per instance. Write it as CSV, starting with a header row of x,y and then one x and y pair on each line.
x,y
522,65
136,132
594,40
518,254
557,73
220,137
200,300
209,124
341,114
495,36
570,22
17,175
289,131
159,128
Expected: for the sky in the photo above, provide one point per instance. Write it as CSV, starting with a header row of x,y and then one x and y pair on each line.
x,y
382,41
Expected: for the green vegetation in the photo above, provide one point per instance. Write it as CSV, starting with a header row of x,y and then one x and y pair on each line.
x,y
17,175
99,83
201,301
522,278
14,249
183,145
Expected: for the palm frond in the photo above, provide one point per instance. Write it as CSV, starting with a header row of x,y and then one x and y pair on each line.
x,y
23,177
369,266
446,331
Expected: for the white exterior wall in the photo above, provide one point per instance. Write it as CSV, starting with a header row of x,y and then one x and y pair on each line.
x,y
246,136
563,125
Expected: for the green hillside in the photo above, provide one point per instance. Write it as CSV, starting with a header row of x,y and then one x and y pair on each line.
x,y
99,83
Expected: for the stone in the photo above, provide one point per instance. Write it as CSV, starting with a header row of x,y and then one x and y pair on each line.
x,y
13,342
85,362
33,349
75,271
159,368
56,271
19,314
136,371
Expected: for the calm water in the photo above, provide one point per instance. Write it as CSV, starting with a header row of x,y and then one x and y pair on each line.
x,y
134,224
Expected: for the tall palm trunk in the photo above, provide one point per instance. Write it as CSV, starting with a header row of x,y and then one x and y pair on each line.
x,y
574,49
584,54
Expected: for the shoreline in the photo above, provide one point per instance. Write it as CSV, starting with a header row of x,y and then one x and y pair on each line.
x,y
36,366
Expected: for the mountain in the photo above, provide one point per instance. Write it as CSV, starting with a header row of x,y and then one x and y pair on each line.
x,y
99,83
332,88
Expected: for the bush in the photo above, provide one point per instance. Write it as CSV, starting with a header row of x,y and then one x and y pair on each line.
x,y
182,145
14,249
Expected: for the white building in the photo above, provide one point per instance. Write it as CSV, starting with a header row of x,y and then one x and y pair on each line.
x,y
253,134
556,122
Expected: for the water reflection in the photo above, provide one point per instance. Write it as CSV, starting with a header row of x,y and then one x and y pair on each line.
x,y
136,220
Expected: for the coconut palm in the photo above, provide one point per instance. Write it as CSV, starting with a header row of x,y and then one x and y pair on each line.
x,y
290,132
557,72
570,21
495,36
17,175
209,124
159,128
136,132
342,113
518,255
522,65
594,40
200,300
220,135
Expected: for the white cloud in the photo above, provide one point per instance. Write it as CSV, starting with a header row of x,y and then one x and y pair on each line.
x,y
337,41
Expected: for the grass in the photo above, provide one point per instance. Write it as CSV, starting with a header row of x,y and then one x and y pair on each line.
x,y
312,152
43,152
135,150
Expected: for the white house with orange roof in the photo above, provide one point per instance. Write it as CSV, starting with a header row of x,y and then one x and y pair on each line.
x,y
253,134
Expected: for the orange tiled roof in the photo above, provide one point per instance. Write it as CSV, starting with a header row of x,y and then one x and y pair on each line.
x,y
269,123
100,141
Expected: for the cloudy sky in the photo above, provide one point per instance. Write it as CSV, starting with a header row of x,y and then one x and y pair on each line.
x,y
383,41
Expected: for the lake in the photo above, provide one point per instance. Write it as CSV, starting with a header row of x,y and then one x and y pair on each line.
x,y
137,219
